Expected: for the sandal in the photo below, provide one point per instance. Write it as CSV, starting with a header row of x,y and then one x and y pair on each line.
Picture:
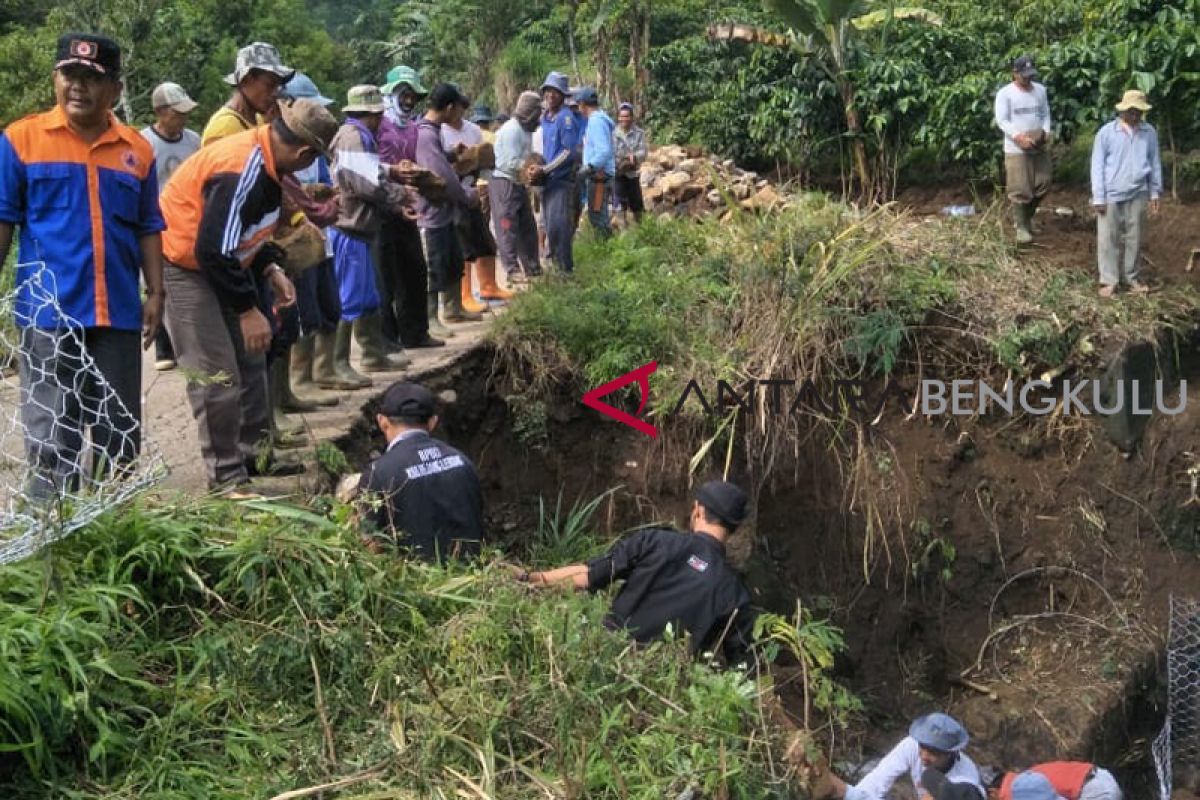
x,y
1137,287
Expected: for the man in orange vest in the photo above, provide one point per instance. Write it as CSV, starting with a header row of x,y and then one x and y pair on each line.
x,y
1068,780
221,209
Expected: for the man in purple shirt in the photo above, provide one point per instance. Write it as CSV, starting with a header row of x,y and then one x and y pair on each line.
x,y
443,251
561,137
403,285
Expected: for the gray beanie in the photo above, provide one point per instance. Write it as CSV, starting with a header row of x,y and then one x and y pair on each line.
x,y
529,107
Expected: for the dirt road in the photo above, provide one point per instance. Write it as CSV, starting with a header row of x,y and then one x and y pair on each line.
x,y
170,427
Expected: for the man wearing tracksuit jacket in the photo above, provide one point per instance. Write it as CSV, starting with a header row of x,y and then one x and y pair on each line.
x,y
221,209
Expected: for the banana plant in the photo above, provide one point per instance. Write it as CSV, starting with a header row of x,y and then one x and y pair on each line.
x,y
824,30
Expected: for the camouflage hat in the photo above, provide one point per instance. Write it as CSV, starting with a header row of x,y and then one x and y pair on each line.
x,y
310,121
364,99
403,75
262,56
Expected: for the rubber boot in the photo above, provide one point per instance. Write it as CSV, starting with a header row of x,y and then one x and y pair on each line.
x,y
341,358
1021,222
302,373
436,328
281,373
368,330
453,311
284,433
325,373
485,273
468,299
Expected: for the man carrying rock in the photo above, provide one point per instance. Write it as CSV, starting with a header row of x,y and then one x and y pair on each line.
x,y
1023,113
675,578
405,277
512,212
439,233
1126,176
421,494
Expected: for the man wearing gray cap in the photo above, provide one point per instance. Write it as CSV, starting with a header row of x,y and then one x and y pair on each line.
x,y
173,142
1023,113
675,578
932,755
257,78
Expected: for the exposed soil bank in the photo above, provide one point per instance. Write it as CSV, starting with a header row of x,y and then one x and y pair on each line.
x,y
1025,591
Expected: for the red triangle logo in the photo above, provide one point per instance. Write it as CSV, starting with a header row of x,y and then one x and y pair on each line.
x,y
642,376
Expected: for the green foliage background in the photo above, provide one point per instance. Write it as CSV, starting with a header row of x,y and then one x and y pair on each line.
x,y
924,91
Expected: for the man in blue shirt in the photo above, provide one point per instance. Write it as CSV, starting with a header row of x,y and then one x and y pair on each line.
x,y
83,189
560,139
1126,174
599,161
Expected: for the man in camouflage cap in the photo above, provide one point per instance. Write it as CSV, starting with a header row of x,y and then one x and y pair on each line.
x,y
257,78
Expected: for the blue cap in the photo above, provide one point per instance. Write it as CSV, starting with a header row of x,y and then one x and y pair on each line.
x,y
939,732
587,96
1033,786
556,80
302,86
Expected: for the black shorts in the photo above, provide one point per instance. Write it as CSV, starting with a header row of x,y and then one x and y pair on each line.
x,y
476,237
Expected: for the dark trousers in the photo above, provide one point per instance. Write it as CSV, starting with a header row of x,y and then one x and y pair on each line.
x,y
559,202
629,193
444,255
400,254
74,380
516,230
317,299
163,349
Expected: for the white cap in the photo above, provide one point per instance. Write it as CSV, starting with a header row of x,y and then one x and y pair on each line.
x,y
172,95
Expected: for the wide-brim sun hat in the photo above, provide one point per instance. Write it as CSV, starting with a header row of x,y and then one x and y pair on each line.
x,y
1134,99
939,731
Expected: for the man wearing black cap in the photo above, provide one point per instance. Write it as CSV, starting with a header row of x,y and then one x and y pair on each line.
x,y
439,233
83,189
1023,113
422,494
681,579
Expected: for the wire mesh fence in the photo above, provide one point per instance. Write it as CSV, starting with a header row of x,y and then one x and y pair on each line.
x,y
70,448
1177,748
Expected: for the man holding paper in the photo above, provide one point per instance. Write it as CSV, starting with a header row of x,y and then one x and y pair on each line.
x,y
365,199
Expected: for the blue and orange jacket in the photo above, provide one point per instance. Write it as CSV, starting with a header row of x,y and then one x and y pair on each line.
x,y
222,207
82,209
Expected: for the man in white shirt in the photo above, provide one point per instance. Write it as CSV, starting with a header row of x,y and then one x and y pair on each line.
x,y
932,756
1023,113
479,247
173,142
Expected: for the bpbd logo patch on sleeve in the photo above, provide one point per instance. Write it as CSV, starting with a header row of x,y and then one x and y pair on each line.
x,y
697,563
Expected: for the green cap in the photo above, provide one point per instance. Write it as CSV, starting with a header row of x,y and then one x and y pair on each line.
x,y
364,99
402,74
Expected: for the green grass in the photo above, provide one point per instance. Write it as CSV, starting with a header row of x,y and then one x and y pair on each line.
x,y
221,651
820,291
